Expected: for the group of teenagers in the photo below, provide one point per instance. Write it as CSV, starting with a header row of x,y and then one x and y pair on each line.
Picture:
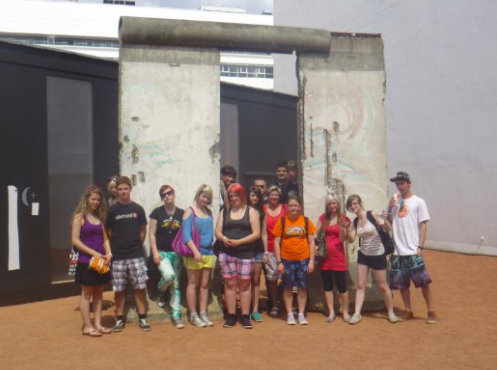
x,y
258,229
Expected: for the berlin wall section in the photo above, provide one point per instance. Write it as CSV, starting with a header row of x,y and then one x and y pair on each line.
x,y
343,134
169,124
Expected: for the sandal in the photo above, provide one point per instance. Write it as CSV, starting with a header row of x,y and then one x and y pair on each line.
x,y
104,330
92,332
274,312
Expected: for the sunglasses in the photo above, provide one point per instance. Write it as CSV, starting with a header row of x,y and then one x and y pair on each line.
x,y
167,193
94,188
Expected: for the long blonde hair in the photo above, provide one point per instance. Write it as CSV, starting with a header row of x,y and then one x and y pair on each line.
x,y
207,190
329,199
82,208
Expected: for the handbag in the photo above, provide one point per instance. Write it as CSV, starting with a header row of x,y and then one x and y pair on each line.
x,y
385,237
320,241
73,262
179,246
98,264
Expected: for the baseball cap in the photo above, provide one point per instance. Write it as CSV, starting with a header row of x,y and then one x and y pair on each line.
x,y
401,176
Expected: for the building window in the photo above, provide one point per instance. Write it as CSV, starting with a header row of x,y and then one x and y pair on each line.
x,y
246,71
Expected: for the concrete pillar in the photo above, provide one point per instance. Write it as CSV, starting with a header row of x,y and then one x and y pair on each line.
x,y
343,134
169,124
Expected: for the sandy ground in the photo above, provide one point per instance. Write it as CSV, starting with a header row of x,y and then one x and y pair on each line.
x,y
46,335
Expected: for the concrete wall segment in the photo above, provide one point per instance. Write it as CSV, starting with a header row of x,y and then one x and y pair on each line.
x,y
170,32
162,139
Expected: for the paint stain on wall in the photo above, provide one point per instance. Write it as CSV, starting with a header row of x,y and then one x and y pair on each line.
x,y
215,151
135,154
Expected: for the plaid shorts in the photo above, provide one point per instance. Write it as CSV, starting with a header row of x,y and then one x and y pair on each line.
x,y
295,274
271,268
134,269
233,267
407,268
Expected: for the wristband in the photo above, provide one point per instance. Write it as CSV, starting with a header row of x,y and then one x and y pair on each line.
x,y
420,247
279,262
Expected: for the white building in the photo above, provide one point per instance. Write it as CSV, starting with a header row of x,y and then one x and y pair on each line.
x,y
92,29
441,102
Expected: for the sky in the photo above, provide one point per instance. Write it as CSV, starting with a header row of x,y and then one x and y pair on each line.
x,y
251,6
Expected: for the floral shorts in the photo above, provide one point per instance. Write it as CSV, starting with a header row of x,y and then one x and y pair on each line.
x,y
233,267
407,268
295,273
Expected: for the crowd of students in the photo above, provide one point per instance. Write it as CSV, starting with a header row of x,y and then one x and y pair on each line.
x,y
261,229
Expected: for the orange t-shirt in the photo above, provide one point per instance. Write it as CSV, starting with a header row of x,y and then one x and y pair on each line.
x,y
294,245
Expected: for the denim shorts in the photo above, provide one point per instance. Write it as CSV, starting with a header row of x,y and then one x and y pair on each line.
x,y
259,257
407,268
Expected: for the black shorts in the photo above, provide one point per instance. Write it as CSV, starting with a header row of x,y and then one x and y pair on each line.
x,y
338,277
85,276
374,262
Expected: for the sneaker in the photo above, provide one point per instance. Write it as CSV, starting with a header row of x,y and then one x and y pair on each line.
x,y
144,325
355,319
178,323
392,317
432,318
275,311
161,300
408,315
230,321
290,319
205,319
246,324
256,316
301,319
119,325
197,321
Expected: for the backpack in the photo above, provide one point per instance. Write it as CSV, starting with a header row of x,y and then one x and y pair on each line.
x,y
385,237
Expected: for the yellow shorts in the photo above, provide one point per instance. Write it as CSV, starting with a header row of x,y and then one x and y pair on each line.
x,y
208,262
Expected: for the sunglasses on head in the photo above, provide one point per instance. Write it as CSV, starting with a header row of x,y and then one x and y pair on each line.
x,y
94,188
167,193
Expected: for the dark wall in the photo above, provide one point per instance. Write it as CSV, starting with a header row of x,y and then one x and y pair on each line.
x,y
267,124
267,131
23,148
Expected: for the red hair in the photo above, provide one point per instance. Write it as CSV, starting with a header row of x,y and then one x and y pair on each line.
x,y
238,189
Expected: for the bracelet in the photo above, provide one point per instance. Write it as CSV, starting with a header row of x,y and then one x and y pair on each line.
x,y
420,247
279,262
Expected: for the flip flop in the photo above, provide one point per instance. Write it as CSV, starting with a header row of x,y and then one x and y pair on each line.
x,y
104,330
92,332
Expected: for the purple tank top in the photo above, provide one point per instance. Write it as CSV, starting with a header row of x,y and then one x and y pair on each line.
x,y
91,236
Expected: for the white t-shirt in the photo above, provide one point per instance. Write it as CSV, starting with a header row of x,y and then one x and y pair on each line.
x,y
405,224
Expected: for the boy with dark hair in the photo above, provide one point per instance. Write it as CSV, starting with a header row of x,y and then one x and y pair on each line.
x,y
126,225
281,176
291,186
228,177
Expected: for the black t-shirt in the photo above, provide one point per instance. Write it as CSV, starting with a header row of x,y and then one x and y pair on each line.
x,y
167,227
289,188
125,222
